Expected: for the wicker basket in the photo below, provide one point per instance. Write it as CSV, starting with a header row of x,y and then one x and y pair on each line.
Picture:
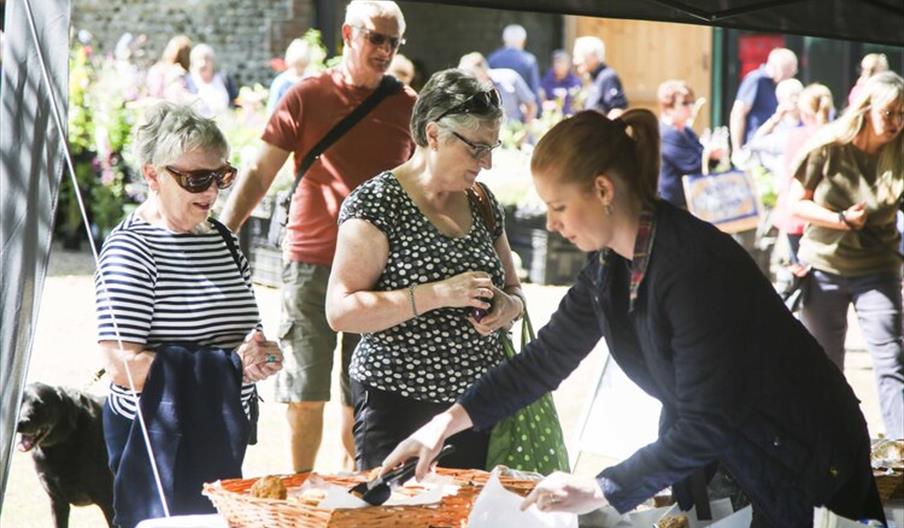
x,y
891,486
241,510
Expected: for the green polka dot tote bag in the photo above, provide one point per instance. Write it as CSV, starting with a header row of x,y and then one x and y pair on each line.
x,y
531,439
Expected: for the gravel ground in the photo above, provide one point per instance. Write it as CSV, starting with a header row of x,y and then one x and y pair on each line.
x,y
64,354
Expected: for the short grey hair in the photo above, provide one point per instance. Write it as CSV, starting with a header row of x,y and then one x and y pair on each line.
x,y
358,12
473,62
445,90
298,54
201,52
589,45
514,35
169,130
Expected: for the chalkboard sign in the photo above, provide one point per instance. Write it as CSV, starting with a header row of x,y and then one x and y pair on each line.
x,y
728,200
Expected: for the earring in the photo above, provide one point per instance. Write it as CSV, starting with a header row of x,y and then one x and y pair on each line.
x,y
609,209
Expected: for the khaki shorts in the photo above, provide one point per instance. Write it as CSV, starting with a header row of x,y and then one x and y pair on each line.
x,y
307,341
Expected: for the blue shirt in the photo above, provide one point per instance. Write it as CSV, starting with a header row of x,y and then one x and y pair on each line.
x,y
682,154
523,62
552,88
606,91
514,92
279,87
757,91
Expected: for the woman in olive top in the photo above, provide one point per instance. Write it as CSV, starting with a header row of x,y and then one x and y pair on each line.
x,y
847,186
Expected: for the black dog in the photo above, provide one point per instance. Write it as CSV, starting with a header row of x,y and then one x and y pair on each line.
x,y
63,429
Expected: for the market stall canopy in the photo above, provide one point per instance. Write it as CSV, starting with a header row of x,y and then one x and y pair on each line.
x,y
878,21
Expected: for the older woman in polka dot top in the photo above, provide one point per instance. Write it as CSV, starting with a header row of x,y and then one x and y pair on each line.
x,y
415,263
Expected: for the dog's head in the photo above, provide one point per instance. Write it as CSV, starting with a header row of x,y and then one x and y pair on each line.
x,y
47,416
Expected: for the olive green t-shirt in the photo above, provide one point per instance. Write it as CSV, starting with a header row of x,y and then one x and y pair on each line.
x,y
841,176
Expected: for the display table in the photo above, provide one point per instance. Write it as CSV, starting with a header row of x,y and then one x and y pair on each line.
x,y
212,520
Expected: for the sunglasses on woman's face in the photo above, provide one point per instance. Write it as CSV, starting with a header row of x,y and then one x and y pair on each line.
x,y
479,103
379,39
198,181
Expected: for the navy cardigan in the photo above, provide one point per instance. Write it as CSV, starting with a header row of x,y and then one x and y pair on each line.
x,y
191,403
742,383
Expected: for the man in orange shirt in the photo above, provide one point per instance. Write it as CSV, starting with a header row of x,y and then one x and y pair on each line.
x,y
372,33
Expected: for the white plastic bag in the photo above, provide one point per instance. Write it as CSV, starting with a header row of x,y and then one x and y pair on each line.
x,y
497,507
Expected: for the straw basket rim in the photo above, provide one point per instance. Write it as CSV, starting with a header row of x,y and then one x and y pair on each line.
x,y
241,510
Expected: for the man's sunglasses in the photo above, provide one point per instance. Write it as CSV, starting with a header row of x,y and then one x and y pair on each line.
x,y
198,181
478,150
479,103
378,39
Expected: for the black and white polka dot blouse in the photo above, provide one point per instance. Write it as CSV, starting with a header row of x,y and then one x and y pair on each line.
x,y
436,356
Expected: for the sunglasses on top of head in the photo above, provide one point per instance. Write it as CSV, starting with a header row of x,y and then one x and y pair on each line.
x,y
198,181
479,103
378,39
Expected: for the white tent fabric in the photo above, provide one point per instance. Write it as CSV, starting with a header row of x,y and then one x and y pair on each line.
x,y
31,163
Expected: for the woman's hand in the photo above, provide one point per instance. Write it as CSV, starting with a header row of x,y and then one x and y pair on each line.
x,y
506,308
425,443
131,356
260,358
855,217
465,289
563,492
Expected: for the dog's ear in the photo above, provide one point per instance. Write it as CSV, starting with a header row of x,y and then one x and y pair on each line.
x,y
68,419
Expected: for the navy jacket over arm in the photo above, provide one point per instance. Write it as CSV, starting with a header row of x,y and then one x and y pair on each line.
x,y
191,404
741,381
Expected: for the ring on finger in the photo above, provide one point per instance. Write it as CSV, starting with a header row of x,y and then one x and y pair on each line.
x,y
271,358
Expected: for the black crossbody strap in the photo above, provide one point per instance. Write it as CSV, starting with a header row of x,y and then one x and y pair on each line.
x,y
388,85
227,237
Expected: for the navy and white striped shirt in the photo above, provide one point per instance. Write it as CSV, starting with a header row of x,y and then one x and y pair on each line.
x,y
171,287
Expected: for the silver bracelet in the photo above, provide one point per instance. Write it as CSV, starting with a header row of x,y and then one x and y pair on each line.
x,y
519,296
411,288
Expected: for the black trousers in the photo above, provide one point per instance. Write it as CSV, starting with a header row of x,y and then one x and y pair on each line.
x,y
383,419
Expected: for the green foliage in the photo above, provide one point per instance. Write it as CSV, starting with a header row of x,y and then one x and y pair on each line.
x,y
100,126
318,50
81,143
81,126
765,184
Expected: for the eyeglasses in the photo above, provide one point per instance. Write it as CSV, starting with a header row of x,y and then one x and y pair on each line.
x,y
198,181
378,39
478,150
895,117
479,103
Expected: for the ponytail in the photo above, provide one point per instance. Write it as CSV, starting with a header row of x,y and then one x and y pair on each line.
x,y
588,144
643,129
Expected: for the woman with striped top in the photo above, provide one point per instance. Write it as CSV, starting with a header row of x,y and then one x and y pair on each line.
x,y
169,274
